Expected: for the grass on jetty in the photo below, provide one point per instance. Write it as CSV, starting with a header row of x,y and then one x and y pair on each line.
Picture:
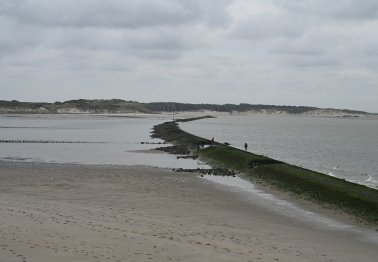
x,y
170,132
354,199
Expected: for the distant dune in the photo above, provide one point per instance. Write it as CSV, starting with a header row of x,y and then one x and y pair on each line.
x,y
118,106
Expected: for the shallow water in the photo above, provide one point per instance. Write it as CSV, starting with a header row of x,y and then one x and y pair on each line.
x,y
120,139
345,148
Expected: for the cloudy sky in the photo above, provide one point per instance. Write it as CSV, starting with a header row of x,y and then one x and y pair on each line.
x,y
285,52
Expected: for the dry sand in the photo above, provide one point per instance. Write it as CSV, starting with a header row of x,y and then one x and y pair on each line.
x,y
56,212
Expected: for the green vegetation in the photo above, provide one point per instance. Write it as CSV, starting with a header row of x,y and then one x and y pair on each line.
x,y
354,199
170,132
193,119
105,106
122,106
97,106
169,107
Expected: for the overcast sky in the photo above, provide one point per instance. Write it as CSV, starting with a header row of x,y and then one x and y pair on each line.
x,y
285,52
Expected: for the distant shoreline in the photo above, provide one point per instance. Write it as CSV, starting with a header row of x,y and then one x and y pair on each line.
x,y
118,106
190,114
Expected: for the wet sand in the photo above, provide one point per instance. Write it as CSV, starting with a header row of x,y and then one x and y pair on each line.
x,y
61,212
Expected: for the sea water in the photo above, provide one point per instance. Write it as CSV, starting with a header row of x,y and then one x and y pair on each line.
x,y
86,139
344,148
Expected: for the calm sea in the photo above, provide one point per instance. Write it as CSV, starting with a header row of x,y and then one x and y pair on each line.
x,y
120,139
344,148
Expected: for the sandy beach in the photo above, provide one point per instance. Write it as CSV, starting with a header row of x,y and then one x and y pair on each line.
x,y
62,212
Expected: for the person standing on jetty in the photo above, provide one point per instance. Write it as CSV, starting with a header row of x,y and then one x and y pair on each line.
x,y
246,146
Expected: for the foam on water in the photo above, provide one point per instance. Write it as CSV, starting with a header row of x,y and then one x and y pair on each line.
x,y
371,179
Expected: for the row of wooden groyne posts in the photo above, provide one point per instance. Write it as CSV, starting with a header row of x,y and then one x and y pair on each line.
x,y
14,141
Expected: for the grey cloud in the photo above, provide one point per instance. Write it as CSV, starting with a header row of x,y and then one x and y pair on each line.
x,y
158,43
268,26
311,61
309,34
371,49
110,13
310,44
214,12
340,9
113,13
159,40
158,54
14,38
272,51
133,28
297,49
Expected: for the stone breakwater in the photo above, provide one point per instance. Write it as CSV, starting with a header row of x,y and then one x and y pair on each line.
x,y
210,171
175,150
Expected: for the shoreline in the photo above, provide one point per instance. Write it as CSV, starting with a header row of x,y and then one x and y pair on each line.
x,y
64,212
332,213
